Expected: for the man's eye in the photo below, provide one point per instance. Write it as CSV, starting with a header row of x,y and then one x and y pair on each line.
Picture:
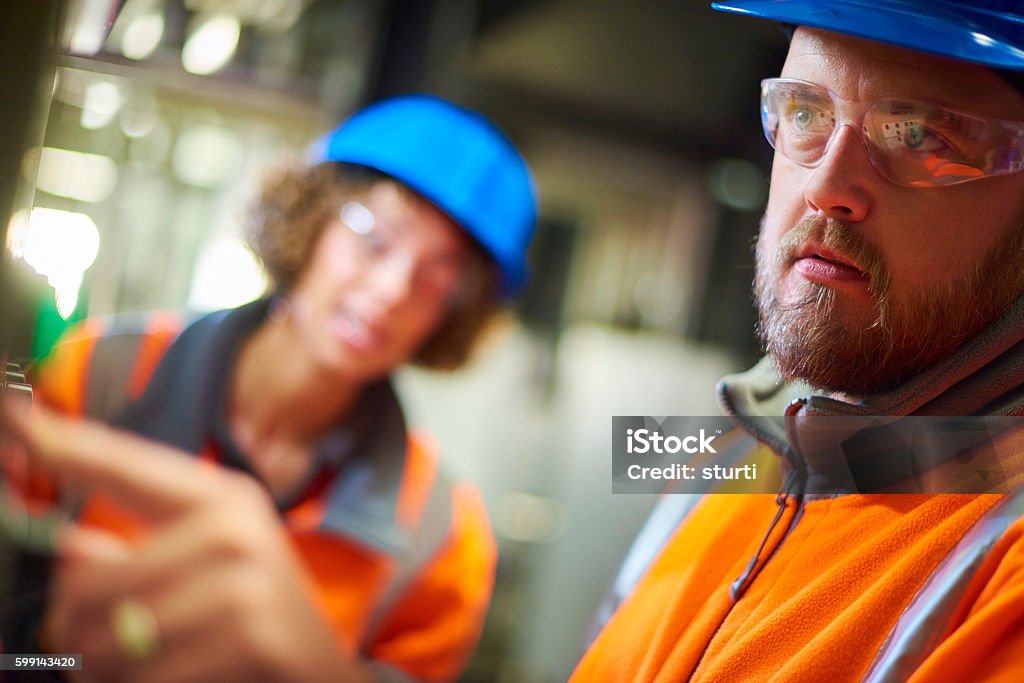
x,y
920,138
803,119
806,119
915,135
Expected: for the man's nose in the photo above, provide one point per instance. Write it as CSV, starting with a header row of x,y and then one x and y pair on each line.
x,y
841,185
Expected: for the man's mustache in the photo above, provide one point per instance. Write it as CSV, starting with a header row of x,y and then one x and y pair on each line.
x,y
838,237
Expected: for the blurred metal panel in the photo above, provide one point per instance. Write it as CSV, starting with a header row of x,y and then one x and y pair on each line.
x,y
29,33
403,48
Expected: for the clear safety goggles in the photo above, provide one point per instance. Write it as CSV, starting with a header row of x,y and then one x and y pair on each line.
x,y
909,142
385,248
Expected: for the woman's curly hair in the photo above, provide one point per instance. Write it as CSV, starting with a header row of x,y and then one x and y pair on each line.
x,y
297,202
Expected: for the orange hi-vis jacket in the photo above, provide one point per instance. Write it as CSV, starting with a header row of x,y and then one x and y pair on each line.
x,y
825,603
402,558
821,584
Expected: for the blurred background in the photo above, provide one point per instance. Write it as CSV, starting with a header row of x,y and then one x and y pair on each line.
x,y
639,120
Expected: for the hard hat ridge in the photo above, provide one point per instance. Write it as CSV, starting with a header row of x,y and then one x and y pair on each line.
x,y
986,32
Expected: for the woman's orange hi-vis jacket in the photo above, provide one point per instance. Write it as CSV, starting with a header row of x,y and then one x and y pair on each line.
x,y
403,559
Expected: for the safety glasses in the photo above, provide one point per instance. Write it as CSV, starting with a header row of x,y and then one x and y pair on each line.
x,y
380,247
909,142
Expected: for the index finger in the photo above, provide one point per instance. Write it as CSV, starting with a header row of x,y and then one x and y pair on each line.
x,y
153,479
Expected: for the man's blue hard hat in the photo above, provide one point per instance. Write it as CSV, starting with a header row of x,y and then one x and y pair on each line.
x,y
988,32
456,159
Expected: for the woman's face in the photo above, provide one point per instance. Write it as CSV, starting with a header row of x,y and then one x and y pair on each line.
x,y
379,283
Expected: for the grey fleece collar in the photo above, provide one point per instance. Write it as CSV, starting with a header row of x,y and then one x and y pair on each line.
x,y
983,379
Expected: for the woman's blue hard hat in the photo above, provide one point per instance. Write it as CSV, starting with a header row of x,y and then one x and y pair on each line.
x,y
456,159
987,32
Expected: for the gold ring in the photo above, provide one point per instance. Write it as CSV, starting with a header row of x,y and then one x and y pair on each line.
x,y
135,629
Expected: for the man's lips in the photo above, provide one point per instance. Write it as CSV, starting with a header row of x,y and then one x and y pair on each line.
x,y
823,265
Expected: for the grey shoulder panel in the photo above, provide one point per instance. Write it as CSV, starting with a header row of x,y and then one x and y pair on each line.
x,y
111,366
428,539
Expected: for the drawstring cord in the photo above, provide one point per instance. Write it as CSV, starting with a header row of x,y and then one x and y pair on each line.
x,y
794,487
740,585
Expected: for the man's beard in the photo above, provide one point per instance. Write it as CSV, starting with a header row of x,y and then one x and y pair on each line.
x,y
809,340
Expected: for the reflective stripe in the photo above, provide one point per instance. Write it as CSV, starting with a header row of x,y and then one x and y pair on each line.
x,y
161,330
123,360
432,530
666,517
925,622
362,502
417,481
662,523
112,361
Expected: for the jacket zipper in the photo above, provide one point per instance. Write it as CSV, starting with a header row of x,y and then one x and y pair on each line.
x,y
793,488
797,481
